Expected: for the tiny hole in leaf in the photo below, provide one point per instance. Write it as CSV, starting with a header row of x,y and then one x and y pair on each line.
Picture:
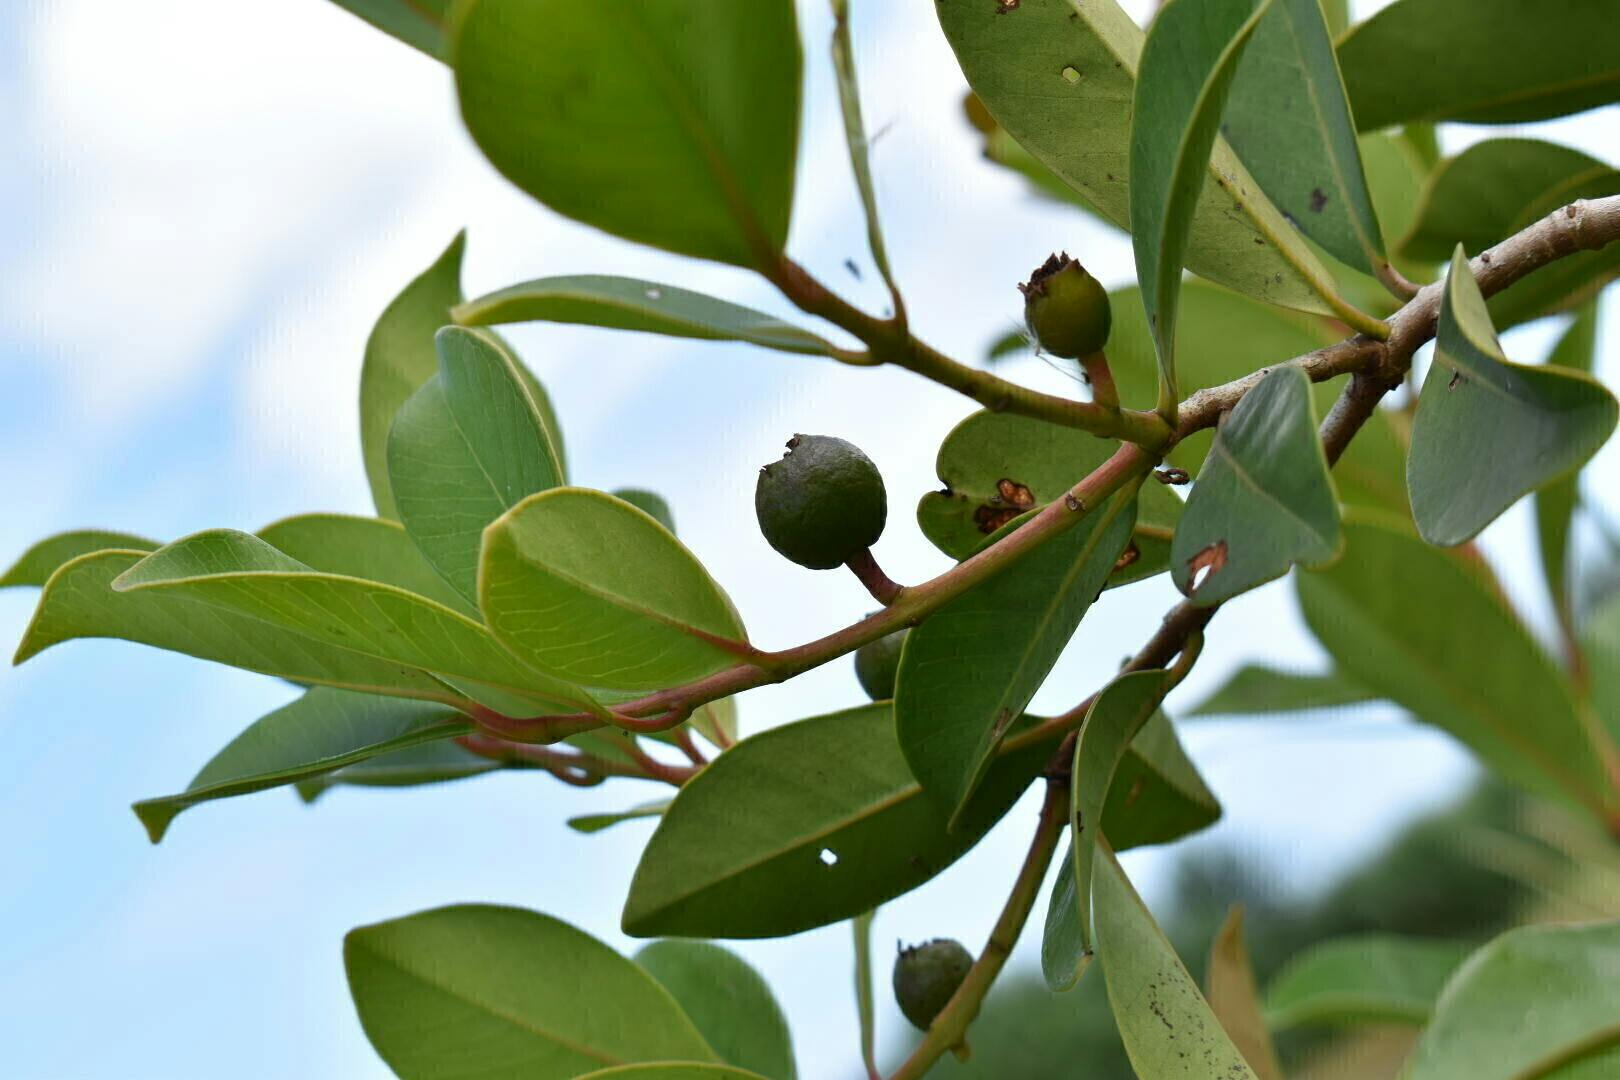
x,y
829,857
1071,75
655,294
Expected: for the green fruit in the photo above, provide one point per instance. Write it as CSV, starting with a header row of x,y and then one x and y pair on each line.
x,y
823,503
1066,309
925,977
877,662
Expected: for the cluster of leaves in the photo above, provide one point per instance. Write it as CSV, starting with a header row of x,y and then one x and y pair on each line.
x,y
491,611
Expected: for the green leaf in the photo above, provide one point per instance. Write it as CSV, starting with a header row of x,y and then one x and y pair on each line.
x,y
860,147
242,574
1254,690
1264,500
36,565
428,763
322,731
805,825
590,588
1537,1002
1229,986
1064,956
79,602
970,668
1488,431
400,357
1556,502
676,1070
1501,61
499,992
1388,613
729,1002
1498,187
1167,1026
373,549
1600,641
467,447
1188,62
650,503
595,823
997,466
1369,979
1059,75
579,105
418,23
1337,13
628,304
1290,123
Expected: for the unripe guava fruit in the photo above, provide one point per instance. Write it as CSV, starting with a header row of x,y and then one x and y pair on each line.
x,y
877,663
925,977
823,503
1066,308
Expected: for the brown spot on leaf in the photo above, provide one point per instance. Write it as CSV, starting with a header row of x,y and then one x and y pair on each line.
x,y
1015,494
990,518
1206,564
1130,555
1318,200
1136,791
1004,6
1456,377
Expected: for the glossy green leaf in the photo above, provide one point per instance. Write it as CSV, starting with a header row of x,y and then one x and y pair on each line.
x,y
1167,1026
672,1070
400,357
1556,502
1537,1002
373,549
1388,613
1289,121
996,466
730,1003
428,763
467,447
418,23
79,602
36,565
1264,500
805,825
628,304
590,588
1059,75
1489,431
1481,61
479,990
969,669
1188,62
1233,997
1368,979
1255,690
242,574
1498,187
322,731
595,823
579,105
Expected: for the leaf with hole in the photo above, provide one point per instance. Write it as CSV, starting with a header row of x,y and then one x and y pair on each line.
x,y
1367,979
1538,1002
1487,430
1167,1026
460,991
590,588
805,825
467,447
1059,75
36,565
321,732
1289,120
1256,690
579,105
1503,61
1264,500
731,1005
620,303
969,670
1388,614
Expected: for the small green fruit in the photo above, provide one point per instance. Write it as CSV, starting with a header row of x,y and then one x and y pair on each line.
x,y
925,977
1066,308
822,503
877,663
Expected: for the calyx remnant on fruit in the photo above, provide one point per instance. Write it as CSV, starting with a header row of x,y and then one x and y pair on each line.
x,y
821,504
925,977
877,663
1066,308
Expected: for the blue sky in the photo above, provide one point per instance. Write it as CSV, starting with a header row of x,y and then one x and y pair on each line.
x,y
208,204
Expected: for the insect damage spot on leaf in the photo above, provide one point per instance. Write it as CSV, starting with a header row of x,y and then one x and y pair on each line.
x,y
1010,500
1004,6
1128,556
1206,564
828,857
1318,200
1456,377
